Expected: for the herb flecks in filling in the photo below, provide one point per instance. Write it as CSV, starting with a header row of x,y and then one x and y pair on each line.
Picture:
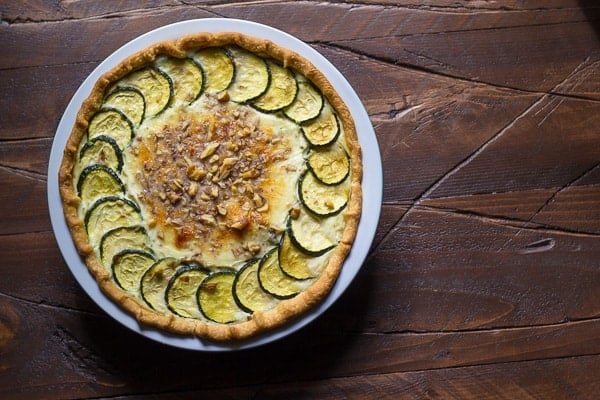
x,y
204,178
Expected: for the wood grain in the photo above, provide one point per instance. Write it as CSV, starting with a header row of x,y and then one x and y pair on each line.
x,y
482,279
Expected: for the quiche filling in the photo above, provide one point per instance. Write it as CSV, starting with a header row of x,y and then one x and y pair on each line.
x,y
213,190
216,180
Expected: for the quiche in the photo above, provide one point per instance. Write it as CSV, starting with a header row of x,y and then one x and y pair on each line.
x,y
212,185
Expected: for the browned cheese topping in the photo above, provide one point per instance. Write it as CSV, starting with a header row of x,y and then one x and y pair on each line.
x,y
206,175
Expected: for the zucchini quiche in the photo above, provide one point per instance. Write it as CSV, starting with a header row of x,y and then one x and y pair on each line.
x,y
212,185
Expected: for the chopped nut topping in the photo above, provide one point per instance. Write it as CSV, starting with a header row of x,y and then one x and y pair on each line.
x,y
209,150
253,248
295,212
223,97
239,224
192,189
195,173
208,219
214,158
263,208
205,173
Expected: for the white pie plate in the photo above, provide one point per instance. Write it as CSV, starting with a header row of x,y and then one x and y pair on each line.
x,y
372,182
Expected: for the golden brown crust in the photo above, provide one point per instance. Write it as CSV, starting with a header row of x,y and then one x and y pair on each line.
x,y
259,322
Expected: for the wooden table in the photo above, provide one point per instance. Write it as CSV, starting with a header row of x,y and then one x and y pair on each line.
x,y
483,280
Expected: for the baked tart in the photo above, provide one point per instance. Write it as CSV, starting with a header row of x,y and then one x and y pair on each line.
x,y
212,185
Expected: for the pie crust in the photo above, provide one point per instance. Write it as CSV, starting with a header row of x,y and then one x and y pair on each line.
x,y
251,323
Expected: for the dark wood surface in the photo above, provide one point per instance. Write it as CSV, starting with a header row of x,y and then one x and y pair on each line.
x,y
484,277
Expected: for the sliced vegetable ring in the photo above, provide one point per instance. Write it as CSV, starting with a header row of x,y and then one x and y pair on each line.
x,y
306,234
155,85
215,297
129,266
321,199
108,213
273,280
251,77
281,91
218,68
153,284
103,150
181,290
307,104
330,165
130,101
247,291
122,238
98,181
187,77
112,123
324,129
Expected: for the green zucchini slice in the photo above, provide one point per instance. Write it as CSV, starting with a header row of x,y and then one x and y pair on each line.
x,y
251,77
182,288
272,279
128,100
281,91
108,213
218,68
330,165
129,266
247,291
307,104
215,298
319,198
307,234
292,261
113,123
322,130
98,181
186,75
122,238
155,85
153,284
101,150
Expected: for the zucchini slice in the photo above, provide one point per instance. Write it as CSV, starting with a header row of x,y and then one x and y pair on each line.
x,y
111,122
319,198
281,91
292,261
251,77
182,288
101,150
153,284
307,104
322,130
247,291
122,238
186,75
272,279
128,100
330,165
218,68
129,266
108,213
98,181
155,85
307,234
215,298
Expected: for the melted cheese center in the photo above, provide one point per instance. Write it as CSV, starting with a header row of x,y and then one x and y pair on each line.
x,y
215,180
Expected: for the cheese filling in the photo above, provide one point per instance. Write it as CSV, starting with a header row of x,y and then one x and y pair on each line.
x,y
215,180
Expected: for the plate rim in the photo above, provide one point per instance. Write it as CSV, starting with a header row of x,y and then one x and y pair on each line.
x,y
372,192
